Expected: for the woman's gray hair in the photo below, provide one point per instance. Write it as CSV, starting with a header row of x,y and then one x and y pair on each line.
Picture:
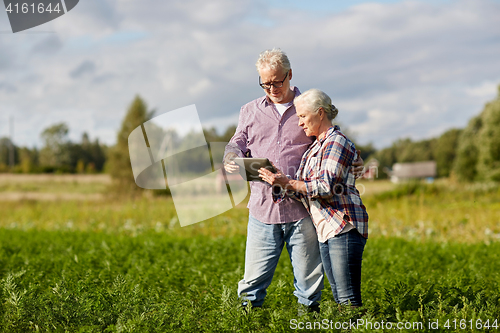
x,y
313,99
273,59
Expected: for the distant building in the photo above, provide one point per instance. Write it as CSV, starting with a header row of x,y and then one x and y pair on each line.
x,y
371,169
416,170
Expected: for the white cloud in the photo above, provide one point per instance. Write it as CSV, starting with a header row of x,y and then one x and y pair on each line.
x,y
408,68
486,90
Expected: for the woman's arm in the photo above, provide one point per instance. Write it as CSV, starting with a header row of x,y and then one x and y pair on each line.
x,y
334,167
279,179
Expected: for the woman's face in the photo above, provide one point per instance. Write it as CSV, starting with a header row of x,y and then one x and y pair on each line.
x,y
310,122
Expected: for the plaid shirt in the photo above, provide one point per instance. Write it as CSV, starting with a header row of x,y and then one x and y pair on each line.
x,y
326,171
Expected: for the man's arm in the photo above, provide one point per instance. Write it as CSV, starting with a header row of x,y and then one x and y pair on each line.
x,y
237,146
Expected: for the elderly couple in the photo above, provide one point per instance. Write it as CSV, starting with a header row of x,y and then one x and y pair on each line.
x,y
313,205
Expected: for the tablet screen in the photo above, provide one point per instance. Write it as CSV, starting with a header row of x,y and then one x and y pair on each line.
x,y
249,167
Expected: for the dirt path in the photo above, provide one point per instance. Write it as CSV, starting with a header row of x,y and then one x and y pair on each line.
x,y
26,178
47,187
18,196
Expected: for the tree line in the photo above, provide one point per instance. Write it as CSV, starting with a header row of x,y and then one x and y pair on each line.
x,y
57,155
443,150
60,155
469,154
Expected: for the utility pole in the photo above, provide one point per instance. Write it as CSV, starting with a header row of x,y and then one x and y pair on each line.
x,y
11,146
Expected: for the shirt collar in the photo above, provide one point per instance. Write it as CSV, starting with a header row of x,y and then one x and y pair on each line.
x,y
268,102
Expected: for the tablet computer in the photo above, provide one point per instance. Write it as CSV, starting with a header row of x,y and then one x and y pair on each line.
x,y
249,167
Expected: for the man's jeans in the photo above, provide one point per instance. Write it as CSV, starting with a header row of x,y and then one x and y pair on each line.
x,y
342,256
264,245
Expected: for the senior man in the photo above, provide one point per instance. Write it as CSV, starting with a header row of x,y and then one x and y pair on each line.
x,y
268,127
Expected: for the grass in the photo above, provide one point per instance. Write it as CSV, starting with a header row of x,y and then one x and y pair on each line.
x,y
130,217
93,282
127,266
441,212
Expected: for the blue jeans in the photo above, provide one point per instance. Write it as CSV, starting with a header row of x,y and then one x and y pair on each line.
x,y
342,256
264,245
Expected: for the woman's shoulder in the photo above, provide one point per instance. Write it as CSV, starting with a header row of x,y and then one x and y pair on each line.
x,y
335,136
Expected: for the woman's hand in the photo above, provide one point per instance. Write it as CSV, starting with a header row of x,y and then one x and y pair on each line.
x,y
277,178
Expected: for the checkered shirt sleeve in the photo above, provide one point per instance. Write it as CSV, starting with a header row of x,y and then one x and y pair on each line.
x,y
330,183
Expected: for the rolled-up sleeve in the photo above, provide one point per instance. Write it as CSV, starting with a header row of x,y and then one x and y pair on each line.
x,y
279,197
335,165
238,143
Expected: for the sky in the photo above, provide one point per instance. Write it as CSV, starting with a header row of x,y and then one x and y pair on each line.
x,y
394,69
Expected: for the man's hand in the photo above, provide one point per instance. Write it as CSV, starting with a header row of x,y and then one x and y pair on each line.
x,y
229,164
358,165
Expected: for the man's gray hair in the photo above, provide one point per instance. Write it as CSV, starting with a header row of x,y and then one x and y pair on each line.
x,y
273,59
313,99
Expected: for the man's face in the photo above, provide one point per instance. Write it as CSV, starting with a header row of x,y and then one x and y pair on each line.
x,y
276,76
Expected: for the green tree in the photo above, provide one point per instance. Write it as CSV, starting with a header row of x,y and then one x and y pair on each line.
x,y
7,151
478,153
28,160
366,150
465,165
98,155
390,155
445,151
211,134
56,152
88,156
118,164
488,164
418,151
403,151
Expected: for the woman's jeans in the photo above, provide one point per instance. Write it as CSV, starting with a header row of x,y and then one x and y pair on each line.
x,y
342,256
264,245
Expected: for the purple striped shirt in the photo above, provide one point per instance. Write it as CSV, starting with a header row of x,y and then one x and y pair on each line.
x,y
263,132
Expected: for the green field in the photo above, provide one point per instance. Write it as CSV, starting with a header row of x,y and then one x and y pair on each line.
x,y
99,264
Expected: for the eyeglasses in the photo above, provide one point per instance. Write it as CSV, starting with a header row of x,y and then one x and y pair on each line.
x,y
277,84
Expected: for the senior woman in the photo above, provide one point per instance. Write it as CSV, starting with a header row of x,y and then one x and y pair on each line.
x,y
326,186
